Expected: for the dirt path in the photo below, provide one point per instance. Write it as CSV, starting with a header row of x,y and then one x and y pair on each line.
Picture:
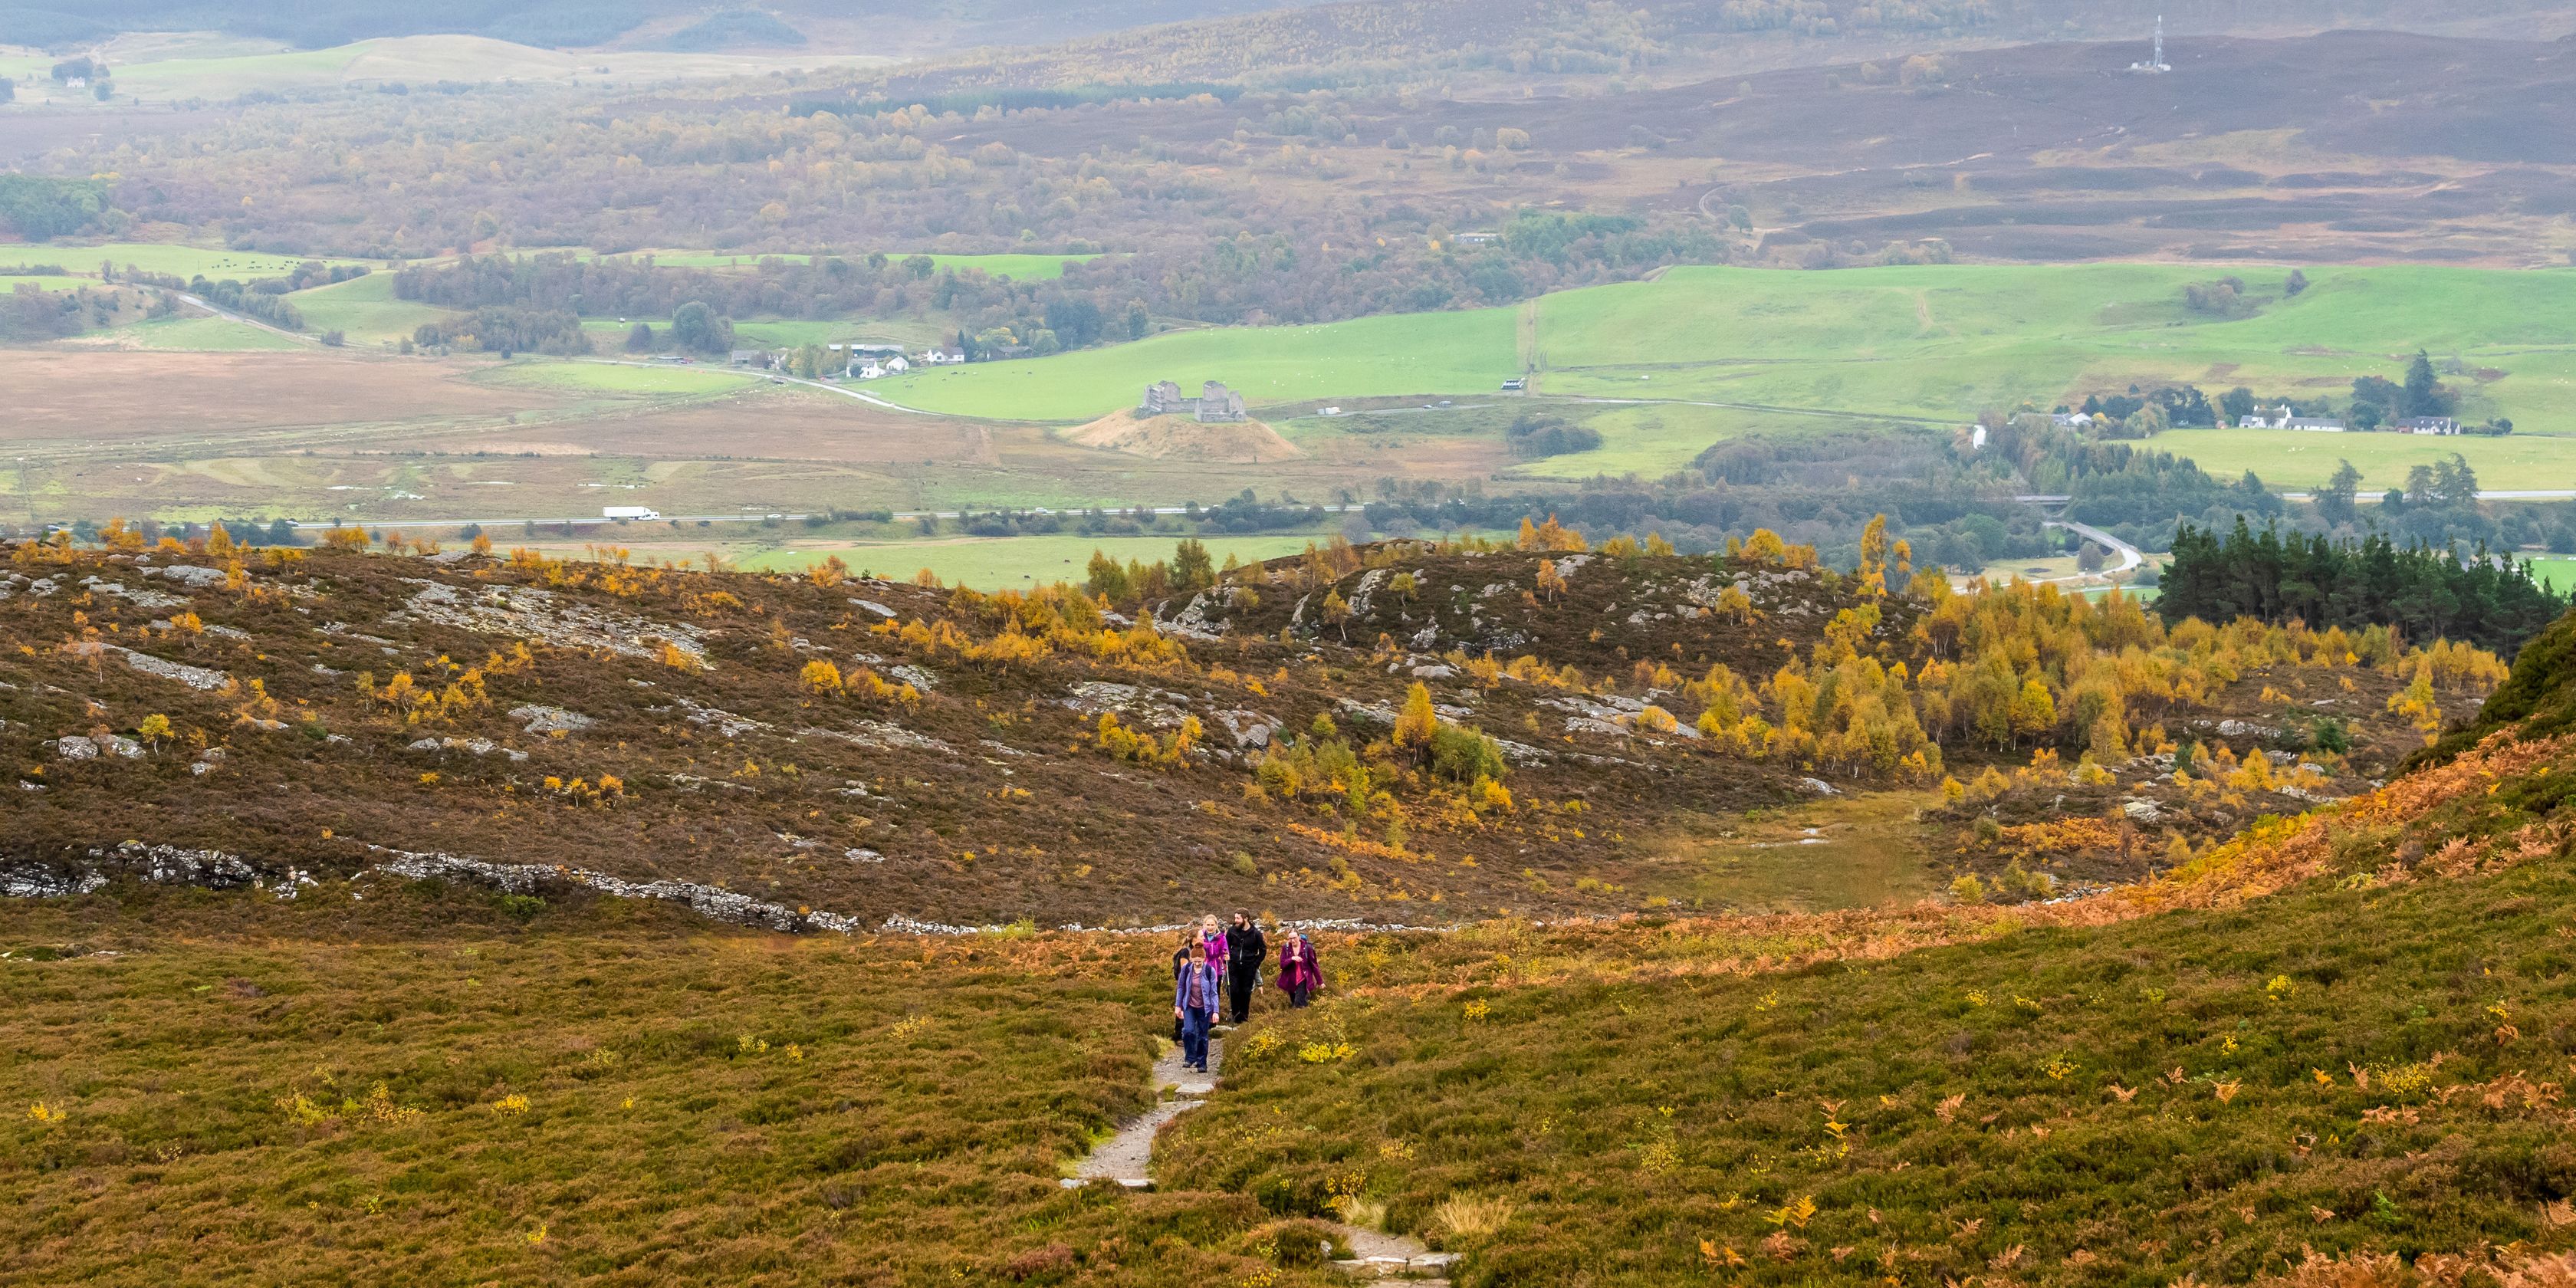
x,y
1125,1157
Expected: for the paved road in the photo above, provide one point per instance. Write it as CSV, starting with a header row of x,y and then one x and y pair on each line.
x,y
2130,557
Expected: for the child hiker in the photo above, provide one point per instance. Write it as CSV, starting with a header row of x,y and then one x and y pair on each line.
x,y
1194,1005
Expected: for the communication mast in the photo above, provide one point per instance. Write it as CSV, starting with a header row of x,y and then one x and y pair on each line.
x,y
2156,61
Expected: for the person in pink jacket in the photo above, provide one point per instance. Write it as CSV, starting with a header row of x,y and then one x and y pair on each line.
x,y
1299,974
1213,935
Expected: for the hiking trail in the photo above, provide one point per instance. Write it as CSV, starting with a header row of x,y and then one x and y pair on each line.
x,y
1124,1158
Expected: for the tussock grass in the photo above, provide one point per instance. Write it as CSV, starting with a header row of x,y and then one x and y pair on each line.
x,y
426,1088
2369,1062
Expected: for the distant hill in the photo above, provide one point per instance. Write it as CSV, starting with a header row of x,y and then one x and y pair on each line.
x,y
556,23
1371,28
733,29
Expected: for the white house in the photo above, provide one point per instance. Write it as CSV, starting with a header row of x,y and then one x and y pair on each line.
x,y
941,357
897,364
2439,425
2282,417
871,370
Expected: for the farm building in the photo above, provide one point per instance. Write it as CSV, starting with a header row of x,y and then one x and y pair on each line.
x,y
2438,425
2282,417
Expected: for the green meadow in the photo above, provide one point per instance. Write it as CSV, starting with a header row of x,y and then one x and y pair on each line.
x,y
1365,357
43,282
364,308
205,335
157,257
1935,343
2297,461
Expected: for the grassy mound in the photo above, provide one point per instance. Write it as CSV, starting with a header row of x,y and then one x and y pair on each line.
x,y
1180,438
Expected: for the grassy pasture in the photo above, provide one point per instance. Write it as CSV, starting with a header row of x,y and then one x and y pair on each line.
x,y
1366,357
2293,460
205,335
782,333
44,282
1655,439
1935,342
156,257
365,308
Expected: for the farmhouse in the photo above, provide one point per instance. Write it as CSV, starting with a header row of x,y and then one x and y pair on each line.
x,y
2282,417
1215,402
2437,425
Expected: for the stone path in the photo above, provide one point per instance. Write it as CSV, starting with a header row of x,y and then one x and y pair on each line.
x,y
1123,1159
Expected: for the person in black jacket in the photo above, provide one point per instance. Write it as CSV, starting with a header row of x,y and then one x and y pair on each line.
x,y
1246,952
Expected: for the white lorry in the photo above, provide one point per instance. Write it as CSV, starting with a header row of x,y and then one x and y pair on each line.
x,y
622,513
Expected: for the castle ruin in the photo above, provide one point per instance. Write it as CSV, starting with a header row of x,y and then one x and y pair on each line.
x,y
1215,402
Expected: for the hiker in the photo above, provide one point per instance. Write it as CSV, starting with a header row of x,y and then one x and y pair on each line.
x,y
1180,960
1194,1006
1299,976
1245,951
1213,936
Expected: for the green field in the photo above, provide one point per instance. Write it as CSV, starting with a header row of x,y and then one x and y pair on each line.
x,y
206,335
156,257
2558,572
43,282
617,378
1367,357
1658,438
1937,343
365,308
2293,460
1948,341
995,563
783,333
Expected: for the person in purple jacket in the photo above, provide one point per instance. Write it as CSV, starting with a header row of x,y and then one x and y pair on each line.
x,y
1299,975
1194,996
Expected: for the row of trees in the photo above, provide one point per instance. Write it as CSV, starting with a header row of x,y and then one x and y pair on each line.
x,y
508,330
2424,591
